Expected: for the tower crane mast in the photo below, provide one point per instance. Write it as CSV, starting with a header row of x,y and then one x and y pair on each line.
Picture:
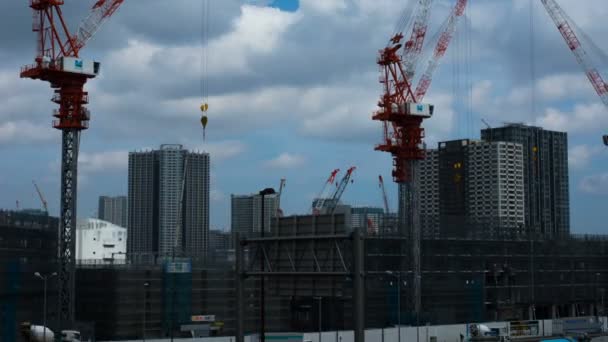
x,y
560,19
57,62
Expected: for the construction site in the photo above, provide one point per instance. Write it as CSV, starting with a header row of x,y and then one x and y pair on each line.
x,y
481,231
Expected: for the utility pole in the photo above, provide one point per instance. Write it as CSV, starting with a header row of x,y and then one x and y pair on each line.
x,y
320,319
44,279
398,287
143,332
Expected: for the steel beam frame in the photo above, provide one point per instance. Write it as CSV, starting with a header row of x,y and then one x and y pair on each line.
x,y
319,266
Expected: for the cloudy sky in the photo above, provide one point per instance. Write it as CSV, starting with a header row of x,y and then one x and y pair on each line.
x,y
291,90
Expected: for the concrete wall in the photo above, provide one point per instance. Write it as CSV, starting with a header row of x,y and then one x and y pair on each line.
x,y
444,333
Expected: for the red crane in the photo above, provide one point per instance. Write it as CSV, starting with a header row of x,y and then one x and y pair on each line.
x,y
561,20
335,198
57,61
319,201
400,111
413,47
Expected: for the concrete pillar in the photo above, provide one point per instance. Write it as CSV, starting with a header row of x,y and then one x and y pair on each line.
x,y
572,310
553,311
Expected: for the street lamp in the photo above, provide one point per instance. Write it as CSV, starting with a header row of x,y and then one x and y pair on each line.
x,y
320,314
263,193
398,288
146,286
44,278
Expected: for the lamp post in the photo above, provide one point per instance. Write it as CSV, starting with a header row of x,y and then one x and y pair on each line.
x,y
143,332
44,279
398,287
263,193
320,315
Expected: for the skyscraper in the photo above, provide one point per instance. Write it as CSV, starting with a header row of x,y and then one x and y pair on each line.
x,y
469,187
246,213
545,155
157,223
113,209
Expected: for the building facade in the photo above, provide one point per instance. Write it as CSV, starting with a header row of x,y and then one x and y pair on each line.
x,y
28,244
496,187
113,209
246,213
468,187
545,155
368,219
157,221
100,241
429,194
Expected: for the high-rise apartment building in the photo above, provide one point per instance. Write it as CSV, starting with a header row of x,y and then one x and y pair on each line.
x,y
246,213
545,155
496,187
157,223
469,187
113,210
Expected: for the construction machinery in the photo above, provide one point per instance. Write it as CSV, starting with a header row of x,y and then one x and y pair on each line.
x,y
384,196
402,112
58,62
565,25
281,186
319,201
332,202
42,200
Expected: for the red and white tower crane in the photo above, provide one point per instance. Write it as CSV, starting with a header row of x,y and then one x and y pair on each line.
x,y
58,62
562,22
402,113
400,110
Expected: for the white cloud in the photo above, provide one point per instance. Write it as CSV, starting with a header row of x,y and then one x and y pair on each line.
x,y
256,32
285,161
595,184
220,151
25,132
103,161
584,117
559,86
580,156
326,7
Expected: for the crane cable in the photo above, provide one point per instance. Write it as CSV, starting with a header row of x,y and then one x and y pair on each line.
x,y
204,67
